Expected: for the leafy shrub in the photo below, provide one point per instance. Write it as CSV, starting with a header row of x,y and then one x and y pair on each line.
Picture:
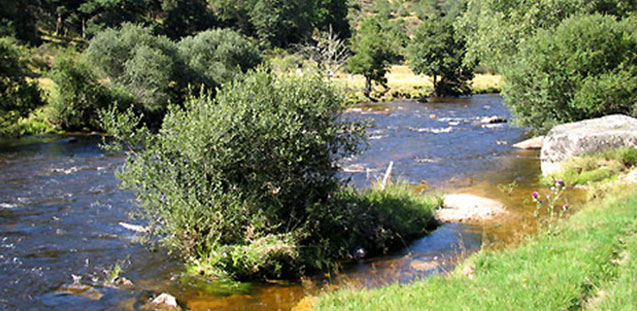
x,y
253,164
18,96
245,185
78,96
218,56
496,30
148,66
585,68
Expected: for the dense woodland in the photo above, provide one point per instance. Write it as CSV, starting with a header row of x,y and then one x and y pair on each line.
x,y
232,154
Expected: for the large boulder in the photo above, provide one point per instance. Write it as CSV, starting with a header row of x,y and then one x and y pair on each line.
x,y
586,137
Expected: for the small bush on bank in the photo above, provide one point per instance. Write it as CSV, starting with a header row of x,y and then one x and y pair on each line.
x,y
585,68
245,185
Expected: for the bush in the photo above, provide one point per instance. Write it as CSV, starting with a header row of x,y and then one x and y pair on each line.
x,y
218,56
583,69
131,66
78,96
496,30
148,66
18,96
245,185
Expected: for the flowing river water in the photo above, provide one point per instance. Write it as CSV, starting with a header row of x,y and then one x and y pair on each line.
x,y
61,208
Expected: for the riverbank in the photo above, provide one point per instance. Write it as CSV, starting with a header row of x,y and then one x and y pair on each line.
x,y
586,262
402,83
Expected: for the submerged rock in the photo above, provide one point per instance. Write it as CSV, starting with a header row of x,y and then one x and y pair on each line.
x,y
586,137
421,265
532,143
468,208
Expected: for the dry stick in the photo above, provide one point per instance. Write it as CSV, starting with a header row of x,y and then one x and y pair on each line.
x,y
387,174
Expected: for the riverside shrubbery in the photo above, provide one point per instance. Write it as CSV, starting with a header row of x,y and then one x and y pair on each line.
x,y
245,185
584,68
135,68
18,95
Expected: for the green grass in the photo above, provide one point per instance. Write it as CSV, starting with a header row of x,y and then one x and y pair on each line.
x,y
591,169
560,270
620,294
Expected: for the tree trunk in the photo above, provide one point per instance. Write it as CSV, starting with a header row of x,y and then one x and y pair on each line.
x,y
368,86
58,24
435,85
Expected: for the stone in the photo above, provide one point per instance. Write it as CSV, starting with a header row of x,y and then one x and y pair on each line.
x,y
136,228
493,120
586,137
165,299
463,207
421,265
532,143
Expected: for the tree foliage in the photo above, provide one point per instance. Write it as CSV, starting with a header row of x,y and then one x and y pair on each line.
x,y
280,23
585,68
78,96
135,67
218,56
18,95
496,29
436,50
372,54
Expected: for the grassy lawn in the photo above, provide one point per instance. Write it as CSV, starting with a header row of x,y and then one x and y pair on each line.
x,y
587,262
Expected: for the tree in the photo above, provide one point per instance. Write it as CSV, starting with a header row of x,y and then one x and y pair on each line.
x,y
436,50
18,96
372,54
495,29
326,50
584,68
184,18
281,23
18,19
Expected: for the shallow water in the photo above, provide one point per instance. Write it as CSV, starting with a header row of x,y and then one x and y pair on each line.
x,y
60,209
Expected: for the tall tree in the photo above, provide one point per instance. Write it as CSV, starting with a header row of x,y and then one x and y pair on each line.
x,y
282,22
437,50
18,19
372,54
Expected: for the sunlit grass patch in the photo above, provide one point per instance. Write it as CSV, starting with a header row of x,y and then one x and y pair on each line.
x,y
590,169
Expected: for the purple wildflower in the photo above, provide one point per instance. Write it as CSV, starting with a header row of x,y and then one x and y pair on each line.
x,y
535,195
565,207
559,183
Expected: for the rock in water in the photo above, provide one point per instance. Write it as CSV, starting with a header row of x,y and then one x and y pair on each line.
x,y
163,302
533,143
586,137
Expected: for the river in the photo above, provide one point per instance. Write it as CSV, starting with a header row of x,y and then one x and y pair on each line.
x,y
61,208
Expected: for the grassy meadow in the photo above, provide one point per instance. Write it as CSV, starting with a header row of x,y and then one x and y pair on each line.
x,y
403,83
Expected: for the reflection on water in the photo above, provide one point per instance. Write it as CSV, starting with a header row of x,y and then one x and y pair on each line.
x,y
60,209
